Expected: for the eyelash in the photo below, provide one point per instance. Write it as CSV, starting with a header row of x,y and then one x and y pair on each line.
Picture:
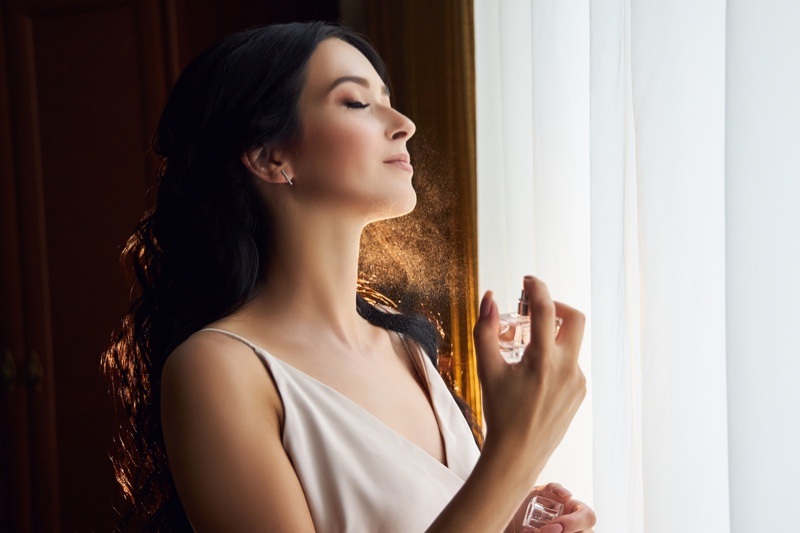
x,y
356,105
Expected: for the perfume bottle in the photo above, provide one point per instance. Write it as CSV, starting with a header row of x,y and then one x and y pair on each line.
x,y
515,331
540,512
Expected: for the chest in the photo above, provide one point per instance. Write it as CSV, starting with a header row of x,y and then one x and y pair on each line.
x,y
357,473
387,386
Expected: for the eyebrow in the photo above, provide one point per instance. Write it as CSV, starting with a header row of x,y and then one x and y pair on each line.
x,y
355,79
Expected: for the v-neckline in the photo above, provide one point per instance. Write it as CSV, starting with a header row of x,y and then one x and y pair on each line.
x,y
269,357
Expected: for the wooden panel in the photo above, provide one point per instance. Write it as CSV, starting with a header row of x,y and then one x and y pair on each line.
x,y
33,257
93,143
37,8
15,487
199,23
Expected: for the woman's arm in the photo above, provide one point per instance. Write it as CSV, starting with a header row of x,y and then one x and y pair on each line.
x,y
528,407
221,423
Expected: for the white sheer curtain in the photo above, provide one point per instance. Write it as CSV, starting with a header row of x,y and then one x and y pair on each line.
x,y
643,157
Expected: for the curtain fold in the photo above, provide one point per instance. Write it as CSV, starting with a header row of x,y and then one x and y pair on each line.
x,y
762,157
533,168
689,200
615,279
678,81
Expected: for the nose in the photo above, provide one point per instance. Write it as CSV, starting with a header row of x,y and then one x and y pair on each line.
x,y
401,127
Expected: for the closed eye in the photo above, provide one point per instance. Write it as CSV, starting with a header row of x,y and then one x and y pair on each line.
x,y
353,104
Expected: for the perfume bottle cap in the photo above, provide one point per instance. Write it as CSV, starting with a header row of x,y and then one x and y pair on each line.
x,y
522,306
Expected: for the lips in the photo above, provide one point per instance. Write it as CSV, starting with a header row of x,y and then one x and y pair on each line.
x,y
401,161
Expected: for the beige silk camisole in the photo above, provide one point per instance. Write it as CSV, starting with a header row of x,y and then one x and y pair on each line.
x,y
358,474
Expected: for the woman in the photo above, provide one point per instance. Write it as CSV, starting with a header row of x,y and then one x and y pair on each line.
x,y
279,145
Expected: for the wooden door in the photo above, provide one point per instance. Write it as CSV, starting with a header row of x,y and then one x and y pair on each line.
x,y
84,82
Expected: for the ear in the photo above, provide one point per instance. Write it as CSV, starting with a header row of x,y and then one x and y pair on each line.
x,y
266,164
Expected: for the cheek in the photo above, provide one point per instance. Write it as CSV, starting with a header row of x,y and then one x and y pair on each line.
x,y
339,148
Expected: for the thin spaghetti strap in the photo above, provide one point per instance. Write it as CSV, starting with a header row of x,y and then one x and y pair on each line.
x,y
237,337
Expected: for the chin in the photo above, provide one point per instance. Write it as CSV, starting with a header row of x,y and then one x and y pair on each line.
x,y
398,205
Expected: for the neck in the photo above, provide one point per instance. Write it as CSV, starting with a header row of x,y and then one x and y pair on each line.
x,y
311,279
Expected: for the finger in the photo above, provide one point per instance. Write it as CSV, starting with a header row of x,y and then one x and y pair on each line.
x,y
570,333
552,528
581,519
542,314
555,491
487,350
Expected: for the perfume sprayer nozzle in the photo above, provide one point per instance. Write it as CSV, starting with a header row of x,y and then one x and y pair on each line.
x,y
522,306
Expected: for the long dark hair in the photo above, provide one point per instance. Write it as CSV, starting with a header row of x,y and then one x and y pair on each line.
x,y
200,253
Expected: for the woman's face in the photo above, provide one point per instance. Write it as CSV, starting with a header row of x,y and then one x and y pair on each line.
x,y
351,153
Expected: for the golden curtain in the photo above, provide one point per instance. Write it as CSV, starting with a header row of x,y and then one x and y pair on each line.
x,y
429,50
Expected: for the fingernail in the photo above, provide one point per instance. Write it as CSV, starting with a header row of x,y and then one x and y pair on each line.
x,y
486,304
552,528
561,491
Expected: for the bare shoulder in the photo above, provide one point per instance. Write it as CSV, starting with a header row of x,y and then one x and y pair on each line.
x,y
213,359
211,371
221,420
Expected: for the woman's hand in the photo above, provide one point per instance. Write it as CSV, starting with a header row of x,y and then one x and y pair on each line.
x,y
529,405
576,518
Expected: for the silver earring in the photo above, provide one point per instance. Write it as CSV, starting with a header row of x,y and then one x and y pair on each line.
x,y
287,177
